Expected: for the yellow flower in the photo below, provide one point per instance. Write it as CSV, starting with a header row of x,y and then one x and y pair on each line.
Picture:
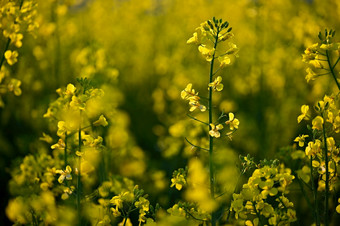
x,y
101,121
224,61
11,56
47,138
64,174
206,52
217,85
313,148
188,92
317,123
70,89
232,122
59,146
179,181
193,39
310,75
214,132
196,104
301,139
14,85
304,111
16,39
338,207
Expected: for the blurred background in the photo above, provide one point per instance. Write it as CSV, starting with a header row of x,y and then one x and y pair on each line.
x,y
137,52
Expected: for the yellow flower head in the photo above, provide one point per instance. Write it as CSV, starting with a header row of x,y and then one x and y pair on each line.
x,y
301,140
217,85
101,121
11,56
188,92
232,122
195,104
193,39
64,174
317,123
206,52
14,86
311,75
313,148
214,132
304,115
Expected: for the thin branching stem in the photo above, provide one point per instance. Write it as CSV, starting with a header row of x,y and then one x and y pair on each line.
x,y
327,174
79,173
332,69
195,145
192,117
211,140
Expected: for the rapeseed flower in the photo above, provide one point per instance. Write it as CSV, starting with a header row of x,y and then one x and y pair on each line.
x,y
214,132
232,122
301,140
64,174
216,84
304,115
11,56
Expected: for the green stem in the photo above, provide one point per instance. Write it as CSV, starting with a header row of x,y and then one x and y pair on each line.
x,y
65,151
315,193
211,140
327,175
79,174
258,214
3,55
332,69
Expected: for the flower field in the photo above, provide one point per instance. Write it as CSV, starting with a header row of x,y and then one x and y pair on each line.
x,y
168,112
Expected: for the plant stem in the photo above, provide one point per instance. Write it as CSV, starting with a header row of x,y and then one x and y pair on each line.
x,y
332,69
315,193
79,173
327,175
3,55
65,151
211,140
258,214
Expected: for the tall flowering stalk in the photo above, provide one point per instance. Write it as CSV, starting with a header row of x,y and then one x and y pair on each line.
x,y
322,151
209,36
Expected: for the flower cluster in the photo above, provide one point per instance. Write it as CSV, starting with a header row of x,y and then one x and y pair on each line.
x,y
194,100
118,197
263,199
324,126
17,17
319,56
179,178
208,34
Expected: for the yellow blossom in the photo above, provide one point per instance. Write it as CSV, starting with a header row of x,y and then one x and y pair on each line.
x,y
304,111
301,140
64,174
14,86
11,56
178,181
313,148
193,39
188,92
206,52
311,75
317,123
217,85
232,122
70,89
214,132
194,103
101,121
